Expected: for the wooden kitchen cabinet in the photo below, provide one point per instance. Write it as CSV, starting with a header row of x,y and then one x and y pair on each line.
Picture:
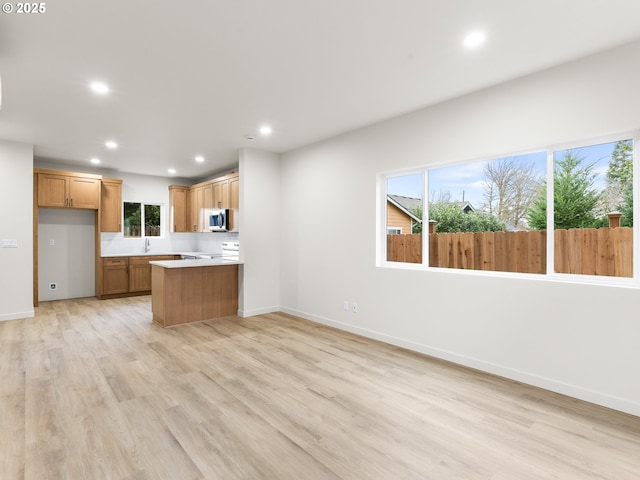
x,y
111,205
193,294
68,190
221,194
234,193
127,276
115,275
207,205
140,272
179,215
200,201
226,191
196,203
197,200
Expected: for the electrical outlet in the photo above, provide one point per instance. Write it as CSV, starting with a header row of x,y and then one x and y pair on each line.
x,y
354,307
53,286
345,305
52,242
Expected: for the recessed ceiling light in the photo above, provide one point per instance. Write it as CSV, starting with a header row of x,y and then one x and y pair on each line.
x,y
111,144
265,130
95,161
172,171
100,88
474,39
199,159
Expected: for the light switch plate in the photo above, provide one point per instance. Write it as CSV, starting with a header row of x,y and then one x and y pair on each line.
x,y
9,243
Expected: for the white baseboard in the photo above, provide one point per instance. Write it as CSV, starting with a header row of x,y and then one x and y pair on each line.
x,y
17,315
258,311
581,393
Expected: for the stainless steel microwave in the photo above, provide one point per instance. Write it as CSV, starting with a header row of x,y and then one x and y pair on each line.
x,y
219,220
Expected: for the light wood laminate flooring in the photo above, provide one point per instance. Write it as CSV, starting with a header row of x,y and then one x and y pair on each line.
x,y
94,390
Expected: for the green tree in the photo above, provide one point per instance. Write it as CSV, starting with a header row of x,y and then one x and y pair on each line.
x,y
574,198
620,169
450,218
619,176
417,211
627,207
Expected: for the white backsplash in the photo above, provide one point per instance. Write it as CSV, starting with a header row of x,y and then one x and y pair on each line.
x,y
116,244
212,242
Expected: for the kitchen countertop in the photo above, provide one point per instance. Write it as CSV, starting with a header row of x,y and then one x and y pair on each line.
x,y
151,254
213,262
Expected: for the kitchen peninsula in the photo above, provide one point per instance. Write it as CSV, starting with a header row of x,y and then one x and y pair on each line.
x,y
186,291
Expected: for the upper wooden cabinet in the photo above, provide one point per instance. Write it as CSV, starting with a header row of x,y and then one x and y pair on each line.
x,y
197,200
234,192
68,190
196,204
221,194
111,205
226,191
178,212
200,200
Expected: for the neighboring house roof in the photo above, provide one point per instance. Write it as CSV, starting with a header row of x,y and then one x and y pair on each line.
x,y
511,228
406,204
465,206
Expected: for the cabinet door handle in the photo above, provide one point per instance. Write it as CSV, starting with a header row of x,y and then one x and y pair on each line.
x,y
71,202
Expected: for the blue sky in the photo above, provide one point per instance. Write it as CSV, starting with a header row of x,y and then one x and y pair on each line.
x,y
466,179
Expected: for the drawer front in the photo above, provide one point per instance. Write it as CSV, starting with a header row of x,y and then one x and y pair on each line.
x,y
114,261
162,258
139,260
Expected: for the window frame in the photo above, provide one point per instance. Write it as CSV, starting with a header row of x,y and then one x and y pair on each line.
x,y
142,220
550,275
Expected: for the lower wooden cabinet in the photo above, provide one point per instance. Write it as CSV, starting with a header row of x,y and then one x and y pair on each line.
x,y
115,275
140,272
127,276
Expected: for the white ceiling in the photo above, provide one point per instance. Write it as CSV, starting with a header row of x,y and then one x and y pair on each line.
x,y
197,77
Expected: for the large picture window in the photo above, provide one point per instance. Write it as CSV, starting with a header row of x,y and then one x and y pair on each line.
x,y
592,210
478,215
142,220
493,214
403,217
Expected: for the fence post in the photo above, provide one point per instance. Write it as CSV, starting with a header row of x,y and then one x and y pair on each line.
x,y
432,226
614,219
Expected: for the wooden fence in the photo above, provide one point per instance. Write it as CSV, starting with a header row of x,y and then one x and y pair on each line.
x,y
589,251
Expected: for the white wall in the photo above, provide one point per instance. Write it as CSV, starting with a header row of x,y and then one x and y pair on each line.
x,y
16,223
70,261
260,225
155,190
138,188
582,340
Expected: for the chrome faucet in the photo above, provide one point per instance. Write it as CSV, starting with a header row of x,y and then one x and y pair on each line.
x,y
147,245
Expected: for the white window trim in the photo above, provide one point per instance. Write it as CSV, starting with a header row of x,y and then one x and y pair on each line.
x,y
550,275
143,236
